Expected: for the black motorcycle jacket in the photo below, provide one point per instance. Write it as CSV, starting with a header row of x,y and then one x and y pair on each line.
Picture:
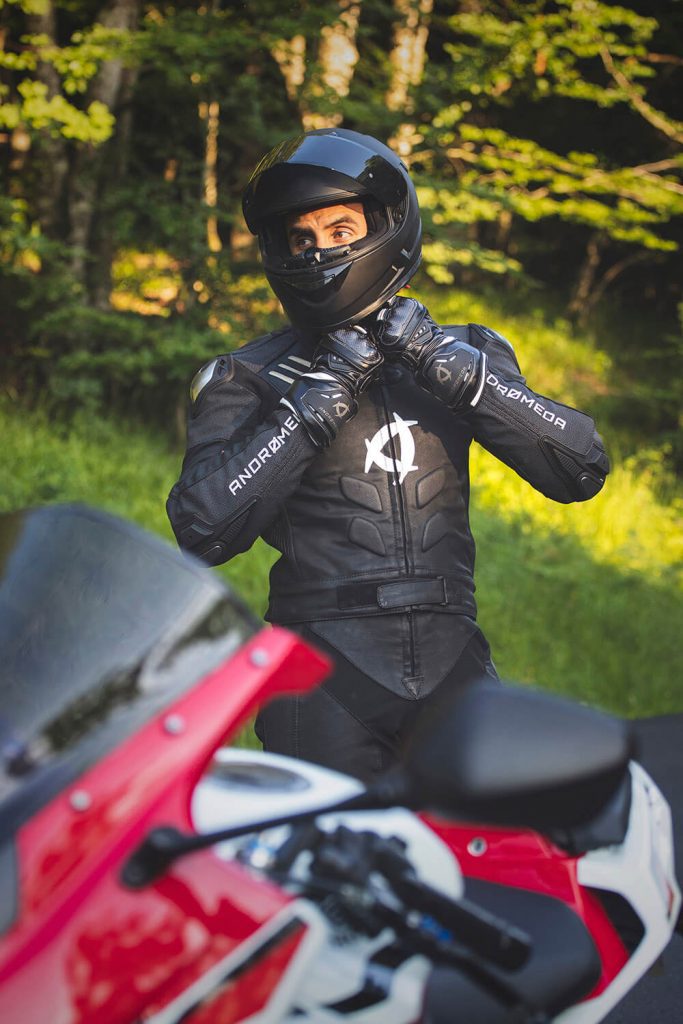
x,y
377,555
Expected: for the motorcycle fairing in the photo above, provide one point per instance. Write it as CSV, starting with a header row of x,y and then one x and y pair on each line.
x,y
642,871
71,853
240,989
102,627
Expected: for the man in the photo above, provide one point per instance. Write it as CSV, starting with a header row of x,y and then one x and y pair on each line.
x,y
343,439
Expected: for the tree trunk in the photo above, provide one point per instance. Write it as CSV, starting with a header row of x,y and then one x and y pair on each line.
x,y
504,227
586,279
407,59
337,57
336,63
210,113
290,55
86,172
50,151
116,165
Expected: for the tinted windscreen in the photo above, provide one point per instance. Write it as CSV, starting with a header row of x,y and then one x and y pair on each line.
x,y
101,626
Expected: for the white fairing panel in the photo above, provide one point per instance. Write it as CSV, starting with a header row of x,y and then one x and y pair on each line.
x,y
250,786
641,870
244,786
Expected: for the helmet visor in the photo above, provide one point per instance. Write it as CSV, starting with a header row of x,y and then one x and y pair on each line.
x,y
346,168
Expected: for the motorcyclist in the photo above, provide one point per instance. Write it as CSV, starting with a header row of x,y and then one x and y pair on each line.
x,y
343,440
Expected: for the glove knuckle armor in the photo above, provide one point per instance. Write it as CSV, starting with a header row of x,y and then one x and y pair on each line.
x,y
454,372
352,347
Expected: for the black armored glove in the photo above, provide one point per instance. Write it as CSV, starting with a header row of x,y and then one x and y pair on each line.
x,y
344,363
452,370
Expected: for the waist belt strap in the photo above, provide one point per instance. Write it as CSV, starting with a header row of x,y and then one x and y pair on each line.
x,y
373,596
399,594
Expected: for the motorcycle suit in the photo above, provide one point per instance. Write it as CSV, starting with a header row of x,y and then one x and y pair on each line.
x,y
377,555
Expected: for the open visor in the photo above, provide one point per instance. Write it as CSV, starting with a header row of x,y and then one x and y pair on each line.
x,y
340,168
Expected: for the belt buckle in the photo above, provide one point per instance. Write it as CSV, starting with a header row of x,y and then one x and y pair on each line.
x,y
442,581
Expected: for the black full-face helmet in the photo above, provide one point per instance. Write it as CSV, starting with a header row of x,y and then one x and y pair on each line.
x,y
322,289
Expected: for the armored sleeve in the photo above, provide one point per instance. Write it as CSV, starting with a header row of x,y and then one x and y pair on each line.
x,y
245,457
554,447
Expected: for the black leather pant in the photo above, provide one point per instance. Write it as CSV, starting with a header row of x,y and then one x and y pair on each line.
x,y
352,724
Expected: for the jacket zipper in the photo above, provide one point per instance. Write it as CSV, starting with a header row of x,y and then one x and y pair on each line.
x,y
403,520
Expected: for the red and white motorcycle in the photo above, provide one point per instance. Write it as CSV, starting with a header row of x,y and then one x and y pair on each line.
x,y
149,873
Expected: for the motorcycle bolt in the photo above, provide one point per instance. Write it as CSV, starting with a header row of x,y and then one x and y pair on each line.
x,y
174,725
259,657
476,847
80,800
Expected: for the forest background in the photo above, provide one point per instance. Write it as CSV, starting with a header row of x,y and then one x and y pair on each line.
x,y
545,140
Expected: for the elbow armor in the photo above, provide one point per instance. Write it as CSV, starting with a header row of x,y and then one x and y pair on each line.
x,y
584,474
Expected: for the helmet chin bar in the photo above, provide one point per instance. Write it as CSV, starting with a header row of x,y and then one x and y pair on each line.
x,y
312,256
300,278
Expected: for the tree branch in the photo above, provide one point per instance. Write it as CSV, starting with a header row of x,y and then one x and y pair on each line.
x,y
672,129
664,58
611,274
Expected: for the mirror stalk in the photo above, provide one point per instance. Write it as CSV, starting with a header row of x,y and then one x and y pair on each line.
x,y
165,844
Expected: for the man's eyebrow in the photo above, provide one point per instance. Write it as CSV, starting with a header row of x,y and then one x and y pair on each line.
x,y
344,218
302,229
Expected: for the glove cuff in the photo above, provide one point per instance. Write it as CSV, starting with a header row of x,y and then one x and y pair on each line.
x,y
321,404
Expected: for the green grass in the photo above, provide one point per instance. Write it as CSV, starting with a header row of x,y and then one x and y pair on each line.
x,y
112,465
584,600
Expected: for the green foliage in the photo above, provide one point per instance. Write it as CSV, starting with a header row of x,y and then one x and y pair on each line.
x,y
520,55
55,114
565,364
77,64
92,359
77,357
534,182
27,6
38,108
547,46
26,294
544,134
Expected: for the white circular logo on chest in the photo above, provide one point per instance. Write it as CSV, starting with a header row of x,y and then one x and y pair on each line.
x,y
404,463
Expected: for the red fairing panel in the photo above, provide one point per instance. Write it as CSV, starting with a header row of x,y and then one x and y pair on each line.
x,y
87,950
527,860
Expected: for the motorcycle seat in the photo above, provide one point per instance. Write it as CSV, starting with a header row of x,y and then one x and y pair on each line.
x,y
607,828
564,965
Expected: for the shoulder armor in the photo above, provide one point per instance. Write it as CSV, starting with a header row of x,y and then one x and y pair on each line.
x,y
488,334
215,369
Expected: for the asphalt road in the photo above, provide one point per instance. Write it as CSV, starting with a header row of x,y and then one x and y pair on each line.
x,y
658,997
